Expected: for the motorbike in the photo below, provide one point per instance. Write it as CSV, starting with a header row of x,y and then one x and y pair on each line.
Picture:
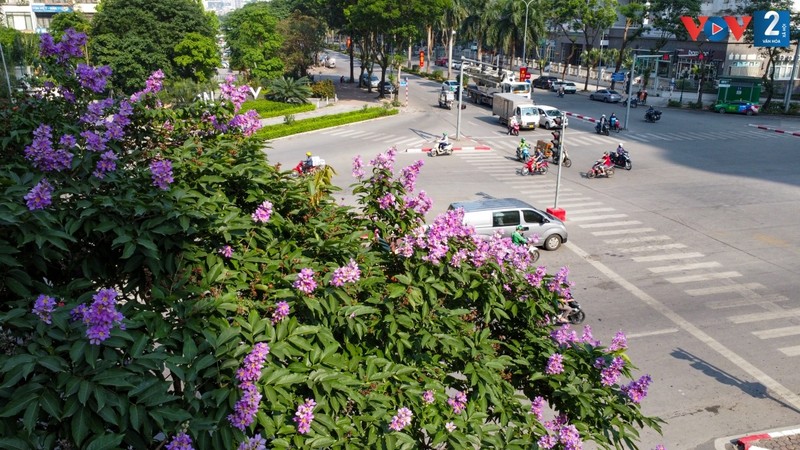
x,y
523,154
596,171
446,99
567,161
301,169
577,315
622,159
601,128
531,168
440,151
634,102
513,129
615,125
652,115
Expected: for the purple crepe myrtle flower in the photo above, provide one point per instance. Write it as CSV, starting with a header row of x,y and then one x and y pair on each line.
x,y
254,443
42,154
408,176
181,441
41,196
78,313
71,45
346,274
536,407
458,402
428,397
564,335
263,212
609,375
568,436
358,167
107,163
587,337
304,416
305,281
637,390
93,78
235,94
96,111
43,307
161,172
554,364
619,342
94,142
281,311
245,410
100,316
67,142
401,420
535,279
384,161
152,86
250,371
559,283
386,201
248,123
226,251
547,441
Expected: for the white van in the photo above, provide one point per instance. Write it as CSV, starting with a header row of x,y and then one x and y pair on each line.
x,y
548,116
507,104
504,214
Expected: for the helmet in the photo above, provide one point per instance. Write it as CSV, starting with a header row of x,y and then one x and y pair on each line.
x,y
620,144
519,227
603,115
605,153
308,153
444,134
522,140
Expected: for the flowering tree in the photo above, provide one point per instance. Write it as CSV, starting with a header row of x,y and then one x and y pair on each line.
x,y
164,286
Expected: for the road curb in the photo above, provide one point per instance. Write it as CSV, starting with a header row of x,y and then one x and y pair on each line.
x,y
774,130
745,443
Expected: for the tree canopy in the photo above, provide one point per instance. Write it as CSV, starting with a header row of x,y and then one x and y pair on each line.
x,y
254,41
153,29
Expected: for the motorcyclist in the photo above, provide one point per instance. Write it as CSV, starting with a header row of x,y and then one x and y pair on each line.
x,y
517,237
561,91
536,161
512,123
308,164
524,149
600,123
603,163
444,141
564,308
613,121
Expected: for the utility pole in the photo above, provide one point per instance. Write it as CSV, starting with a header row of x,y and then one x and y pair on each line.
x,y
787,98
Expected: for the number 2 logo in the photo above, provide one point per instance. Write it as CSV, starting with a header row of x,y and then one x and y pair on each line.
x,y
774,19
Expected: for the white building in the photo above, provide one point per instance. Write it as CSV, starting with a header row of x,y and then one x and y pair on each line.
x,y
34,17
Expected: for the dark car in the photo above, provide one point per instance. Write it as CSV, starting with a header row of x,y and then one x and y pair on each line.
x,y
387,88
736,106
544,82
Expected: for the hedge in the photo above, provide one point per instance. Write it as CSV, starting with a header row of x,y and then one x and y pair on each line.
x,y
268,108
318,123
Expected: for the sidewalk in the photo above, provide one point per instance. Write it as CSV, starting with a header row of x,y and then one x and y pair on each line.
x,y
780,439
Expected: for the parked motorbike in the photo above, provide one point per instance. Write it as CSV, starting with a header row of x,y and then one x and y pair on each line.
x,y
652,115
597,170
621,158
513,129
523,154
441,151
634,102
601,128
531,168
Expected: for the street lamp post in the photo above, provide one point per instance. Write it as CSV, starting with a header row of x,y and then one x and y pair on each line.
x,y
525,39
450,55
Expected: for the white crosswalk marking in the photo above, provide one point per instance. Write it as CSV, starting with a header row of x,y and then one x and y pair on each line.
x,y
742,288
768,301
633,240
624,223
778,332
652,248
684,267
578,204
627,231
668,257
704,277
601,217
769,315
790,351
574,210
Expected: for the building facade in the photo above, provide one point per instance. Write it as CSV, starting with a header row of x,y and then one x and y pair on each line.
x,y
34,17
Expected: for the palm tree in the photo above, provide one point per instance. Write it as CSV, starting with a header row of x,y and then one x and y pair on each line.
x,y
289,90
451,19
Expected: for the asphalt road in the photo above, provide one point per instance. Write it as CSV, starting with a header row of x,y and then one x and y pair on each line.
x,y
693,253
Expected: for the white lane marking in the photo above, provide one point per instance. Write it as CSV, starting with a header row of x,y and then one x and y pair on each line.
x,y
769,315
743,288
667,257
624,223
577,205
771,384
575,210
790,351
633,240
637,138
778,332
627,231
684,267
767,302
705,277
598,217
651,248
652,333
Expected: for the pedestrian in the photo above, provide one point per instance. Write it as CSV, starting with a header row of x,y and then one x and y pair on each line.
x,y
644,96
341,80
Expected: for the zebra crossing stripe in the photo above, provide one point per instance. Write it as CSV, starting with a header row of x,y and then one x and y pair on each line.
x,y
777,332
633,240
609,224
577,205
768,301
704,277
746,288
769,315
667,257
652,248
790,351
573,211
628,231
682,267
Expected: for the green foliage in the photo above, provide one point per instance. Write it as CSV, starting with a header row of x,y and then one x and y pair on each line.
x,y
197,57
185,91
695,105
252,36
76,20
289,90
323,89
430,309
268,108
674,103
293,126
302,39
153,28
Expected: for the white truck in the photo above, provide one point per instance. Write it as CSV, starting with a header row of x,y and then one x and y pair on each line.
x,y
507,104
487,81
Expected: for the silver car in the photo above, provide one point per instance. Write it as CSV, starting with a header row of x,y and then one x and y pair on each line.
x,y
605,95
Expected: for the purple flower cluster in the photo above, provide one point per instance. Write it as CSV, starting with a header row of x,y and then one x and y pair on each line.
x,y
254,443
41,196
537,406
106,163
535,278
245,410
226,251
611,373
43,307
637,390
385,161
564,335
428,397
248,123
420,203
71,45
93,141
152,86
458,402
587,337
409,174
281,312
559,283
450,427
305,281
93,78
401,420
555,364
560,432
346,274
619,342
236,94
161,171
304,416
181,441
101,316
358,167
96,111
386,201
42,154
263,212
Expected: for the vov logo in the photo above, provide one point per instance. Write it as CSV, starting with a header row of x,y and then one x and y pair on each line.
x,y
716,28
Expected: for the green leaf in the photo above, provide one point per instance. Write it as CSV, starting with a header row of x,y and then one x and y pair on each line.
x,y
79,425
51,404
105,441
84,391
14,444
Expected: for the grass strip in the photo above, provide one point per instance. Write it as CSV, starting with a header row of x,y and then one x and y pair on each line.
x,y
318,123
268,108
